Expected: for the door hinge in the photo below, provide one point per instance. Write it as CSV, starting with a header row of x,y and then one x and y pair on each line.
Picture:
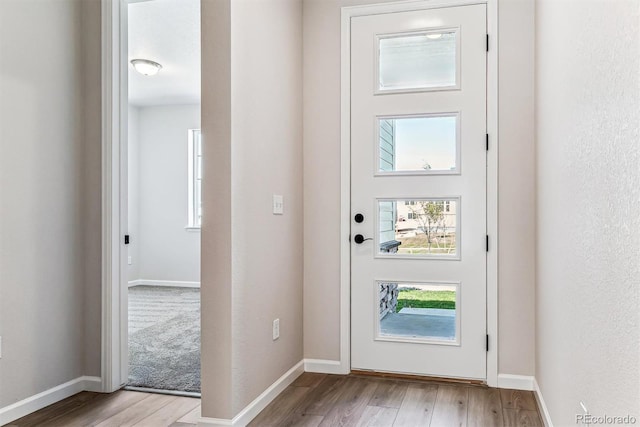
x,y
487,42
487,142
126,239
487,243
487,342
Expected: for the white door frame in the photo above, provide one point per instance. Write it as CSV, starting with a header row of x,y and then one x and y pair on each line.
x,y
114,351
492,170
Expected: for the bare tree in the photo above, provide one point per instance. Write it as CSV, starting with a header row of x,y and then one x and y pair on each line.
x,y
430,215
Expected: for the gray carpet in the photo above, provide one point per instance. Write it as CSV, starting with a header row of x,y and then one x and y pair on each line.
x,y
164,338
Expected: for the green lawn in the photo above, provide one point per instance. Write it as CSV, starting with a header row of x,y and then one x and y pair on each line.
x,y
420,245
426,299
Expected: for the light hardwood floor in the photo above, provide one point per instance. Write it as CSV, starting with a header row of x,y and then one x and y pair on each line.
x,y
122,408
332,400
312,400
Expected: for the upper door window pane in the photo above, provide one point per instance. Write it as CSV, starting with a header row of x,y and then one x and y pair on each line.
x,y
418,61
418,145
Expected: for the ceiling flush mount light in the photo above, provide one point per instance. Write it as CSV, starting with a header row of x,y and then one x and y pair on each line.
x,y
434,36
146,67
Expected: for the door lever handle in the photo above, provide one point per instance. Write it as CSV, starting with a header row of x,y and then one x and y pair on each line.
x,y
359,238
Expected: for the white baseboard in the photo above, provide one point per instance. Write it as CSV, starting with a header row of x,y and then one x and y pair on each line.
x,y
544,412
259,403
516,382
34,403
168,283
325,366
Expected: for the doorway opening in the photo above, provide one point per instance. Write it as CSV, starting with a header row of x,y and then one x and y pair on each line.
x,y
164,170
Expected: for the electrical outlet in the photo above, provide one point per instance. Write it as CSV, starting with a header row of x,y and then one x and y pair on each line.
x,y
276,329
130,260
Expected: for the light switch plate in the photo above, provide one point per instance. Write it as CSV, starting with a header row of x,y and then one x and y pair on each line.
x,y
278,204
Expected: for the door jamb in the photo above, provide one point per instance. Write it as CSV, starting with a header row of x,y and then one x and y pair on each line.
x,y
492,170
114,345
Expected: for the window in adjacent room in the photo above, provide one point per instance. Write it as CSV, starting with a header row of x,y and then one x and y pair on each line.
x,y
195,178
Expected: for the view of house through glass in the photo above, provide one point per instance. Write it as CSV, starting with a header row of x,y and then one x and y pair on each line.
x,y
418,144
417,311
426,227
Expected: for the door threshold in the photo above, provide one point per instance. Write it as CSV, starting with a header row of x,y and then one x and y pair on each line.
x,y
422,378
160,391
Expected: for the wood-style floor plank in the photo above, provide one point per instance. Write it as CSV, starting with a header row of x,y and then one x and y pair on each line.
x,y
281,407
485,408
353,399
309,379
417,406
175,409
389,393
518,399
59,409
377,416
323,397
136,412
90,415
521,418
297,419
451,406
193,416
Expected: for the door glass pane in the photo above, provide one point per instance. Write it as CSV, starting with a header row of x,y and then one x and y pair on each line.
x,y
418,228
418,144
418,311
418,61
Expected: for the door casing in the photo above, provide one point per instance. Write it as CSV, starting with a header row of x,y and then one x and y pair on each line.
x,y
492,171
114,337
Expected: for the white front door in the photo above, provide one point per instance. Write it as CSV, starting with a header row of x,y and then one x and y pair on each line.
x,y
418,192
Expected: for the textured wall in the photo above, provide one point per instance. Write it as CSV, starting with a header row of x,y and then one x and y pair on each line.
x,y
251,259
516,189
322,182
92,183
216,237
588,271
42,211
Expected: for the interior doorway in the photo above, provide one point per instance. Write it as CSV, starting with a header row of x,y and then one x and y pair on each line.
x,y
419,192
164,171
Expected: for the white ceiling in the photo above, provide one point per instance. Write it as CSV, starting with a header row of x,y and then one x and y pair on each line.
x,y
167,32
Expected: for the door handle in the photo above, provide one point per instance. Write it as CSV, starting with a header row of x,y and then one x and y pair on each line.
x,y
359,238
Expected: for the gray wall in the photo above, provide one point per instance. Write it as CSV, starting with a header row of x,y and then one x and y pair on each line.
x,y
251,259
322,182
588,273
516,188
162,249
92,182
47,155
